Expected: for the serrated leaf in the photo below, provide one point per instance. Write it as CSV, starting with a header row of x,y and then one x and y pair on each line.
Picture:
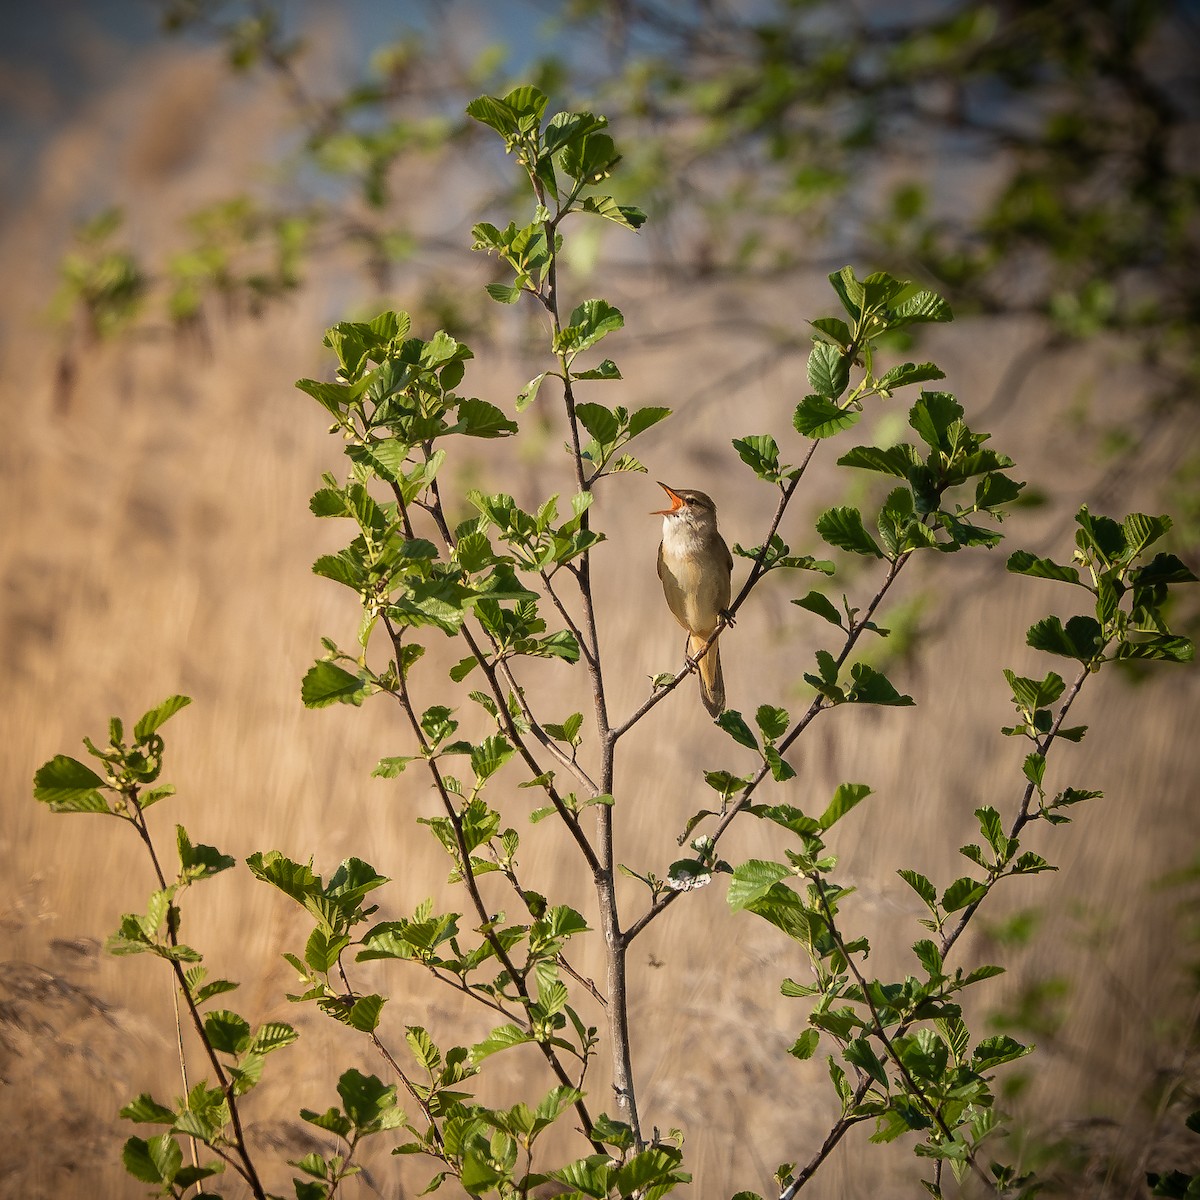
x,y
805,1046
821,417
752,880
326,683
478,418
67,785
503,1037
733,723
760,453
145,1110
961,893
159,715
828,370
843,527
816,602
1021,562
919,884
906,373
846,797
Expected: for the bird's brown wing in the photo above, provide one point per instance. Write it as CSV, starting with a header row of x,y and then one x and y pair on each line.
x,y
660,561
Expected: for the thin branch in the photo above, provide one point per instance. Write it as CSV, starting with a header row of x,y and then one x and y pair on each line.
x,y
387,1056
1024,816
915,1088
468,875
666,899
247,1170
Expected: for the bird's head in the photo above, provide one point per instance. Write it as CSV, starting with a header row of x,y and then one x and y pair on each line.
x,y
693,508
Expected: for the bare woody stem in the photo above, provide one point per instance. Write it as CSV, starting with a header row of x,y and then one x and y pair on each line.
x,y
604,869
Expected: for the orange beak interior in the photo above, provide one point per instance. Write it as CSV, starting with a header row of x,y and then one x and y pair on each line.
x,y
676,503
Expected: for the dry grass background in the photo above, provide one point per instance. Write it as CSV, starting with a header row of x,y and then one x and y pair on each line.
x,y
157,539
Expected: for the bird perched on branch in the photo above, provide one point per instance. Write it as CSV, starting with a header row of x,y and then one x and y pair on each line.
x,y
695,567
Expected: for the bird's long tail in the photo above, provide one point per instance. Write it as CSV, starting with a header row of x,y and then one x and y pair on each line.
x,y
712,683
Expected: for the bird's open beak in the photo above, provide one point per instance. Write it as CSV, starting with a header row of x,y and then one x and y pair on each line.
x,y
676,502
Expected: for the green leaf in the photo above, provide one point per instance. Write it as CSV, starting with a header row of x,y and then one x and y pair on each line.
x,y
226,1031
504,293
503,1037
761,454
273,1035
145,1160
159,715
326,683
323,949
805,1046
820,604
67,785
365,1012
1081,638
527,395
367,1101
389,768
772,721
643,418
920,884
478,418
600,422
821,417
622,214
898,460
859,1053
589,158
849,291
906,373
924,306
490,756
932,416
145,1110
335,398
199,861
588,323
833,330
732,722
1021,562
846,797
843,527
1165,647
872,687
961,893
1163,568
752,880
1032,693
828,370
606,370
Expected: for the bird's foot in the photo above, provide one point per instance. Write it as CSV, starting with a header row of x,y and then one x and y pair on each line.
x,y
727,617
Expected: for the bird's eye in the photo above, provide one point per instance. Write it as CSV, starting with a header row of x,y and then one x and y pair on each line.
x,y
689,500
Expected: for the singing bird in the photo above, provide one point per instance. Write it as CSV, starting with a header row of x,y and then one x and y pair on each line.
x,y
695,567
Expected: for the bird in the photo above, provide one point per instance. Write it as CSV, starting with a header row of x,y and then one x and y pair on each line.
x,y
696,568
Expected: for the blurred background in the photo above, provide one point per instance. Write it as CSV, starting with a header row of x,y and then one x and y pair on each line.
x,y
192,191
